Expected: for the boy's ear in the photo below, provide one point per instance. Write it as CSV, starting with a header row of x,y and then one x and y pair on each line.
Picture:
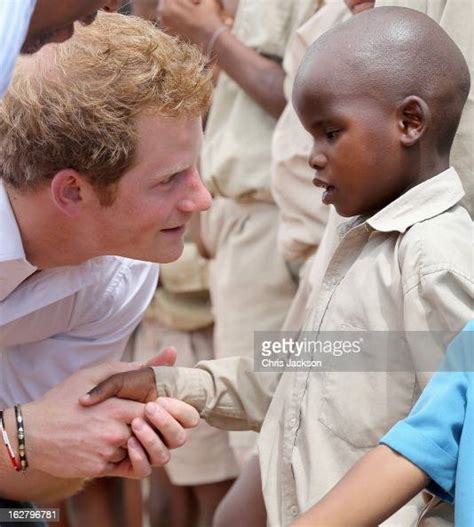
x,y
66,191
414,119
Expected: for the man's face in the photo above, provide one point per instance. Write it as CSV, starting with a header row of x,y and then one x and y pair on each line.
x,y
157,196
53,20
356,149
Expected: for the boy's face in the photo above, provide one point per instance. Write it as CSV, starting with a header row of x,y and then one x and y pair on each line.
x,y
356,150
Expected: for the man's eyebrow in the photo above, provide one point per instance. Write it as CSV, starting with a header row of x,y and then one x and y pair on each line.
x,y
173,170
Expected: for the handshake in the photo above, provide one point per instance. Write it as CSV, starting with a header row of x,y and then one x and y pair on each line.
x,y
104,421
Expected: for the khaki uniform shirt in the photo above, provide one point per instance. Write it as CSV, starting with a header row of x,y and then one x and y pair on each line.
x,y
236,153
408,267
303,216
455,17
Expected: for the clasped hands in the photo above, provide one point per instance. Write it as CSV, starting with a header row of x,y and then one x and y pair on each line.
x,y
162,426
71,435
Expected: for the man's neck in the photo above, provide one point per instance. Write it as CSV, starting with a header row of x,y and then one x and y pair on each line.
x,y
48,240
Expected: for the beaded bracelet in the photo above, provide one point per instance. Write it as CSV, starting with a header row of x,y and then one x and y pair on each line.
x,y
6,441
20,427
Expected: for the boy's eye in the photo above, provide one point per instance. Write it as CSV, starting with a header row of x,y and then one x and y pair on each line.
x,y
331,134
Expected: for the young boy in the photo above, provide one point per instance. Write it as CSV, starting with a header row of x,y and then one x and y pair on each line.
x,y
436,446
382,95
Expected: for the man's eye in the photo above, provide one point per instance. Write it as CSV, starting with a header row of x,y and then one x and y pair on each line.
x,y
169,179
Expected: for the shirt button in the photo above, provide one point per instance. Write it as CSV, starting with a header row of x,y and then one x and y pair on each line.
x,y
293,510
292,422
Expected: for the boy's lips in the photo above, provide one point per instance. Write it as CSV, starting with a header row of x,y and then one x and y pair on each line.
x,y
328,196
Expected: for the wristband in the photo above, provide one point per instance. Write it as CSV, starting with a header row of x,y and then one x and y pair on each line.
x,y
6,441
20,427
212,41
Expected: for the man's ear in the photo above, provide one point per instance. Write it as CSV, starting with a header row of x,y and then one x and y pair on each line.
x,y
414,119
66,191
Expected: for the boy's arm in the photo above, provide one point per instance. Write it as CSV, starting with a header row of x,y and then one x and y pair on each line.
x,y
228,393
374,489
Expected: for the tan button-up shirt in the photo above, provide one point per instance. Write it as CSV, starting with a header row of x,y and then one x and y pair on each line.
x,y
409,267
236,155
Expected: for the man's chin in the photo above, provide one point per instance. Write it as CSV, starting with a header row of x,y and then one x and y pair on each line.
x,y
165,257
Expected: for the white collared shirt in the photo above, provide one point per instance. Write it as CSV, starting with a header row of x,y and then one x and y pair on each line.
x,y
14,21
57,321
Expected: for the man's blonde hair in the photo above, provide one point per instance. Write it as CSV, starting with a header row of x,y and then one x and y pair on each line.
x,y
75,105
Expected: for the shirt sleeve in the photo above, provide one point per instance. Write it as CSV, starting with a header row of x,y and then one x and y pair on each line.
x,y
435,310
430,436
14,21
226,392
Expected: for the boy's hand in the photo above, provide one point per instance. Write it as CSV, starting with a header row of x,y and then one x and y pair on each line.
x,y
138,385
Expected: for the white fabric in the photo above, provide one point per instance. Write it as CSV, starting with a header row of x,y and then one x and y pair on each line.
x,y
14,21
63,319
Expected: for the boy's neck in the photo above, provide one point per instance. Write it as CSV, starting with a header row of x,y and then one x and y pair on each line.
x,y
424,170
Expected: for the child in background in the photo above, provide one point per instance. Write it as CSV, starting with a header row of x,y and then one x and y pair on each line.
x,y
433,447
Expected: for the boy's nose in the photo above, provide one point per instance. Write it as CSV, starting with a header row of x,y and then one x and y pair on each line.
x,y
317,161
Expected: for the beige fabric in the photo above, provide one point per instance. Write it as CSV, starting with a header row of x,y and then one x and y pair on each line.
x,y
188,274
455,17
409,267
207,456
236,153
251,287
182,300
302,213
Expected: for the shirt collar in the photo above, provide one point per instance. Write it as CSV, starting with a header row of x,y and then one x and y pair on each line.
x,y
14,267
425,201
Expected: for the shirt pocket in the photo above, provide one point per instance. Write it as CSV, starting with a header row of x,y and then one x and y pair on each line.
x,y
360,407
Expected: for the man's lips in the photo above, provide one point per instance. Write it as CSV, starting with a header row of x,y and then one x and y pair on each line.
x,y
174,230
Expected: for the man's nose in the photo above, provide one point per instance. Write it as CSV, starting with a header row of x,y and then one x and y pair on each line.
x,y
198,197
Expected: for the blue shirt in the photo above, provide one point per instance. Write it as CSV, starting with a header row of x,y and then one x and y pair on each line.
x,y
14,21
438,435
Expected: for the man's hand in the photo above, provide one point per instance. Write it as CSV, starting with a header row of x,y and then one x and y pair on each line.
x,y
196,21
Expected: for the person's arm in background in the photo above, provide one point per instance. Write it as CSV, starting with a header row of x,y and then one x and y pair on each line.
x,y
259,76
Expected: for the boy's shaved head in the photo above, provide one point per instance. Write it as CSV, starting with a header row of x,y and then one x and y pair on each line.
x,y
390,53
